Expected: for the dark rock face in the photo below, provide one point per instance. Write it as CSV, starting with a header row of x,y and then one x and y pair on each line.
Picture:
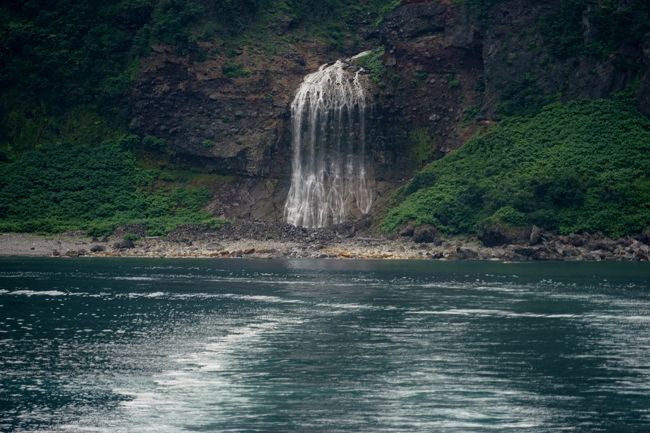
x,y
97,248
230,123
124,245
493,236
425,234
535,236
250,198
417,19
406,230
645,236
644,88
498,234
517,59
433,60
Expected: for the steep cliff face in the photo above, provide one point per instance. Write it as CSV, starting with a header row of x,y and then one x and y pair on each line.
x,y
433,77
449,69
217,113
226,116
529,59
453,68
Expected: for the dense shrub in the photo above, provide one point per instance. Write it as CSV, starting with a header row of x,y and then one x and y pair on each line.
x,y
584,166
374,64
95,188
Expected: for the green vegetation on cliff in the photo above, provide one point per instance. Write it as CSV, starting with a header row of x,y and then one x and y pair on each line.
x,y
583,166
373,63
94,188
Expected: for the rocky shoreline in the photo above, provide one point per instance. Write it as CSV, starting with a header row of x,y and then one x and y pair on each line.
x,y
276,240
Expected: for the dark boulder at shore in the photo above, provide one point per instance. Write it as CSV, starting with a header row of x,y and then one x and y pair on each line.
x,y
425,234
124,244
493,235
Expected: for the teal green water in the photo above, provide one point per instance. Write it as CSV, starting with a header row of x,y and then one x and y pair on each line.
x,y
130,345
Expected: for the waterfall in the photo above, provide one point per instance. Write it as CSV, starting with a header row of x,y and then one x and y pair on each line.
x,y
330,181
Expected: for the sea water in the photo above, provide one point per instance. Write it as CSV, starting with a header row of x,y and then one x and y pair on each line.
x,y
134,345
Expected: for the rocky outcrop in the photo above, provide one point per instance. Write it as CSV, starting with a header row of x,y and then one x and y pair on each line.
x,y
433,61
644,88
452,69
226,115
523,66
501,234
425,234
124,244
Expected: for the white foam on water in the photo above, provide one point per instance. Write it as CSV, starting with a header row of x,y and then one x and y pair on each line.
x,y
203,382
140,278
339,306
491,313
41,293
264,298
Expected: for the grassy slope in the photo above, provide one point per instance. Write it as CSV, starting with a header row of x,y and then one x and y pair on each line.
x,y
583,166
94,188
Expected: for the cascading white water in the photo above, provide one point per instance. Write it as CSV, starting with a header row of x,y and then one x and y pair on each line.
x,y
330,181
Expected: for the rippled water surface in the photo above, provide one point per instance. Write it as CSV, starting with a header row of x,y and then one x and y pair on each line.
x,y
136,345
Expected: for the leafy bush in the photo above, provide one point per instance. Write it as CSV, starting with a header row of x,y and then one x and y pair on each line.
x,y
373,62
583,166
454,83
234,70
94,188
131,237
508,215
